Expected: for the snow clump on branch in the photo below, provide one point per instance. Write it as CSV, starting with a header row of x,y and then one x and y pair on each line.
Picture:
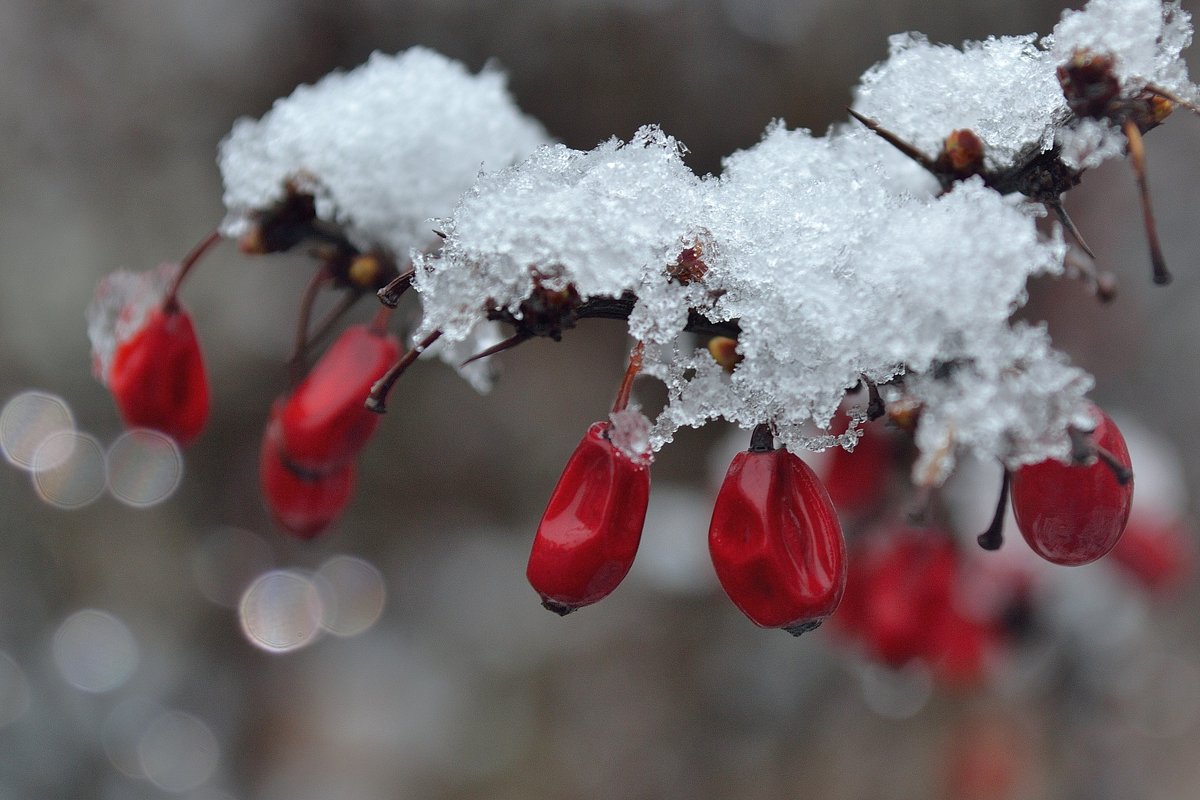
x,y
833,258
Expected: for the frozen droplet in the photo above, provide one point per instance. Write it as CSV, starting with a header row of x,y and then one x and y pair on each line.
x,y
27,420
144,467
14,690
69,470
177,752
282,611
94,651
353,593
226,561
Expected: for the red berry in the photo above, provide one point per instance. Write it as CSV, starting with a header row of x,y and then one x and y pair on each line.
x,y
325,421
1074,514
857,481
1160,554
776,542
157,377
589,535
303,502
900,582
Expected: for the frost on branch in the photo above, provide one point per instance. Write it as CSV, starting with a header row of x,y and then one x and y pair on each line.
x,y
382,148
831,271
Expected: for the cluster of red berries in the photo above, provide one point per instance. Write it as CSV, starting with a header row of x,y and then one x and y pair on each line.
x,y
306,466
306,469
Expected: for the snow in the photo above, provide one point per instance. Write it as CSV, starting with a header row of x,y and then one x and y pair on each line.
x,y
383,148
119,308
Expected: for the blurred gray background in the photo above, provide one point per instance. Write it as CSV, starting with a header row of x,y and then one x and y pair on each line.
x,y
465,688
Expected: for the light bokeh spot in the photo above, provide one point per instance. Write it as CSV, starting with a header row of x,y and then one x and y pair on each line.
x,y
122,732
144,467
353,595
27,420
94,651
896,693
69,470
178,752
226,561
281,611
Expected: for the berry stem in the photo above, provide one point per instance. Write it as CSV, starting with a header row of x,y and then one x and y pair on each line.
x,y
1122,473
171,300
762,438
631,372
301,340
1084,449
875,404
379,322
1137,155
993,537
377,398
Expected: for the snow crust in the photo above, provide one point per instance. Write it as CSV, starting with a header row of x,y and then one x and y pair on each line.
x,y
839,258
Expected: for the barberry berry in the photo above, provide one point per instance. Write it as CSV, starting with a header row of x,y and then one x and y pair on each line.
x,y
775,539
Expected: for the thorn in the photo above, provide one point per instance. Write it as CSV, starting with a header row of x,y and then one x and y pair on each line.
x,y
377,398
1057,207
499,347
993,537
390,295
1137,155
896,142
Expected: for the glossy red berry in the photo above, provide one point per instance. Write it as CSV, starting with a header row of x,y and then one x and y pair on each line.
x,y
589,535
1074,514
157,376
325,422
775,540
303,502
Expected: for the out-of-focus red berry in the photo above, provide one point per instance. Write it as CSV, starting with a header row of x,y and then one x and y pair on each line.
x,y
776,542
1159,554
157,376
589,535
325,422
303,502
1073,514
902,603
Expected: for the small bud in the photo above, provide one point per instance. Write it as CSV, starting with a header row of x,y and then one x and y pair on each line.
x,y
724,351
